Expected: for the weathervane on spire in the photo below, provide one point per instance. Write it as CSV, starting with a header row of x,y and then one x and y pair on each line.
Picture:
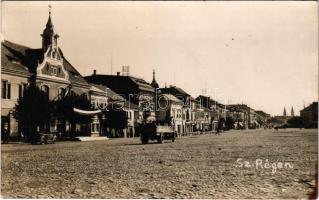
x,y
49,9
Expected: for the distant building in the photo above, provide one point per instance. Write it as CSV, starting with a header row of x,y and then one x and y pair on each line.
x,y
262,117
309,115
99,100
185,98
204,113
170,112
135,91
250,116
130,108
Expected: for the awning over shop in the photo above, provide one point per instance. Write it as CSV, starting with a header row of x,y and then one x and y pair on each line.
x,y
86,112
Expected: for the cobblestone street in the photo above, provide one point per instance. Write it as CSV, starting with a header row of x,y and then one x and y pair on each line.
x,y
203,166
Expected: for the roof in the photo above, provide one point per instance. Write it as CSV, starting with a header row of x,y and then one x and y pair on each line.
x,y
311,107
19,58
142,84
96,89
74,75
116,98
119,83
208,102
238,107
262,113
171,98
23,59
101,87
113,96
174,90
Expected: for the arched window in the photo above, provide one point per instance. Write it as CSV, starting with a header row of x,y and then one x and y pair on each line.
x,y
61,93
45,89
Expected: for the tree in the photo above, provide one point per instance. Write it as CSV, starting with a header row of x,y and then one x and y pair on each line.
x,y
116,118
33,112
63,110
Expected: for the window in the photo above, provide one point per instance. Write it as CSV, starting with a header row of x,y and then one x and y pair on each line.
x,y
5,90
45,89
61,93
22,88
54,71
20,91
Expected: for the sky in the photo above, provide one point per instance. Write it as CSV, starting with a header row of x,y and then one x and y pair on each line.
x,y
264,54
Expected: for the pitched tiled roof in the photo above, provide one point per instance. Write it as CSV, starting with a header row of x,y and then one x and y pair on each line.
x,y
96,89
142,84
171,98
114,97
23,59
117,83
174,90
101,87
74,75
311,107
179,90
19,58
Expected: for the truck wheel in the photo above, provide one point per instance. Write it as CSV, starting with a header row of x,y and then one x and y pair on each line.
x,y
160,139
42,140
173,138
144,139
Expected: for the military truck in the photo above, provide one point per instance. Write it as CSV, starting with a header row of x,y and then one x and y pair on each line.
x,y
152,131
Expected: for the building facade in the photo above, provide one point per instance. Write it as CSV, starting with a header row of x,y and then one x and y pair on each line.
x,y
45,67
309,116
169,112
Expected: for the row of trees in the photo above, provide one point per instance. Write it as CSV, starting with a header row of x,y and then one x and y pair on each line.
x,y
35,112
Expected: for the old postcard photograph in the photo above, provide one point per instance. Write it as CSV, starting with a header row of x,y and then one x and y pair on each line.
x,y
159,99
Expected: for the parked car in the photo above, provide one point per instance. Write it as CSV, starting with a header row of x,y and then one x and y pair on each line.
x,y
44,138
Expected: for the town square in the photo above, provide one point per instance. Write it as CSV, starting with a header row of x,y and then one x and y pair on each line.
x,y
202,166
210,100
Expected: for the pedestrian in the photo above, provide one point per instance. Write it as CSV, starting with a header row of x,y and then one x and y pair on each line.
x,y
6,134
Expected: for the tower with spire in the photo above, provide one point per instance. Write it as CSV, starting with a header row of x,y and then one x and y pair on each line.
x,y
154,84
50,38
285,113
52,63
292,111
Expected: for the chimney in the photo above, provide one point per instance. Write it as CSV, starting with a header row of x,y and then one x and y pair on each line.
x,y
118,73
94,72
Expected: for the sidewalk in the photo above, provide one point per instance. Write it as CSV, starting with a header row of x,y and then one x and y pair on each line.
x,y
92,138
